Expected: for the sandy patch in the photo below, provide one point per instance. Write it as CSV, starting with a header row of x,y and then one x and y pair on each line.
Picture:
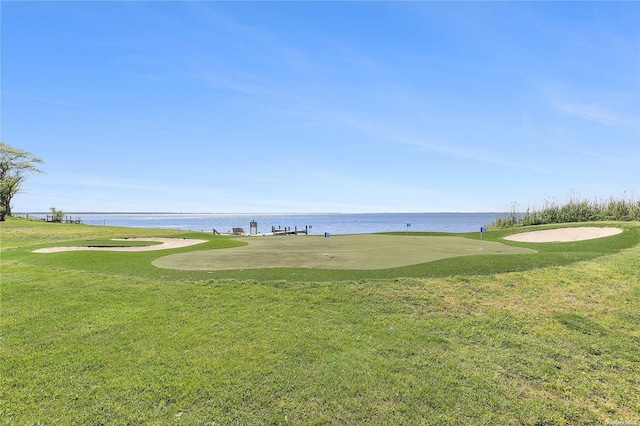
x,y
563,234
165,244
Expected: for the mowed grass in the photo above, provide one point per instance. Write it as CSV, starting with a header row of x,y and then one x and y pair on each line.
x,y
361,252
557,344
20,238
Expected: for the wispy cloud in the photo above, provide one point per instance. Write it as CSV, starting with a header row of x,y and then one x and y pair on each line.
x,y
593,112
314,109
629,160
466,152
59,102
604,105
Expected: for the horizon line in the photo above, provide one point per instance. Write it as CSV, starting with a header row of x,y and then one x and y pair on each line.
x,y
263,213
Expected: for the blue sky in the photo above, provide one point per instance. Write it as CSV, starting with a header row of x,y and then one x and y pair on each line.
x,y
321,106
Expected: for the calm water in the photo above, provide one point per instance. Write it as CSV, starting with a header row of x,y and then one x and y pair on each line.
x,y
320,223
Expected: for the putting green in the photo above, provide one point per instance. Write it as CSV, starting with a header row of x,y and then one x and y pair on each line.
x,y
366,251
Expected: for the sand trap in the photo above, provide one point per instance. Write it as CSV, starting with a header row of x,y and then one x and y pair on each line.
x,y
166,243
563,234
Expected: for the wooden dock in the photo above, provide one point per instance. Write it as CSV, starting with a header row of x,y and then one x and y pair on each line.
x,y
289,231
66,219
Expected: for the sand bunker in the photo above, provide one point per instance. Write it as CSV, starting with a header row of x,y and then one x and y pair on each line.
x,y
563,234
165,244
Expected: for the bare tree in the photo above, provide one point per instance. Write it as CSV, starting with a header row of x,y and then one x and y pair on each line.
x,y
15,164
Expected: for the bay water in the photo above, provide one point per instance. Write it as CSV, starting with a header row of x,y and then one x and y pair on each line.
x,y
319,224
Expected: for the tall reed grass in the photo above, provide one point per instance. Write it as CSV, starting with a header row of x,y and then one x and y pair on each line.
x,y
575,210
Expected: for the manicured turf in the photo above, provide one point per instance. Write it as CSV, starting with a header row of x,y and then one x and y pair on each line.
x,y
360,252
106,338
25,234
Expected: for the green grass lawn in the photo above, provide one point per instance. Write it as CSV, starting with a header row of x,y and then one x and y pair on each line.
x,y
284,262
359,252
106,338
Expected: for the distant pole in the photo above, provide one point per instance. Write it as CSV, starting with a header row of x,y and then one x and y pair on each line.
x,y
326,245
408,226
482,231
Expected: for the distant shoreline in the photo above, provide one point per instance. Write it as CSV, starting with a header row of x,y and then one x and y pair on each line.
x,y
318,223
268,213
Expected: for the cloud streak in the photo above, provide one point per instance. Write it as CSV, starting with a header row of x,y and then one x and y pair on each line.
x,y
593,112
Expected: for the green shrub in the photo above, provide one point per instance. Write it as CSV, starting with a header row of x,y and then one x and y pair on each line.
x,y
575,210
